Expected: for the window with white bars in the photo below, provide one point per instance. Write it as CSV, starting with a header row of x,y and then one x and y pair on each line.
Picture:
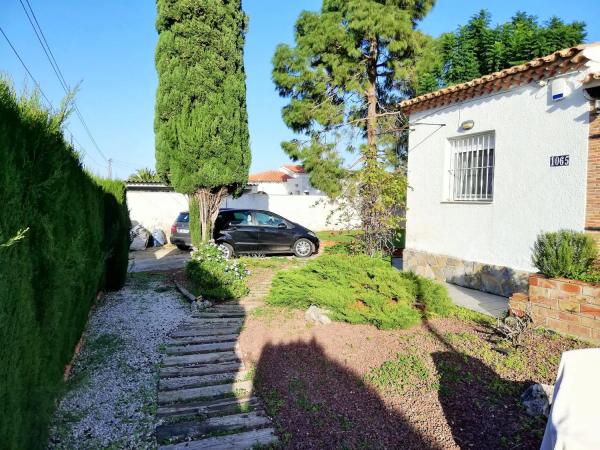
x,y
471,168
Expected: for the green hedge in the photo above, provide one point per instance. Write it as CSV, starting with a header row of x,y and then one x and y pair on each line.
x,y
76,244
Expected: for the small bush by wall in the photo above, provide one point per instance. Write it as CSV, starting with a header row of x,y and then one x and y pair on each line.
x,y
564,253
76,244
360,289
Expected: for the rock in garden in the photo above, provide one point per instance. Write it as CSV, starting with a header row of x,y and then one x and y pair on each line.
x,y
317,315
537,399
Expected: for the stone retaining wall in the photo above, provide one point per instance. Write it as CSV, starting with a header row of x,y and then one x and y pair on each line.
x,y
497,280
565,306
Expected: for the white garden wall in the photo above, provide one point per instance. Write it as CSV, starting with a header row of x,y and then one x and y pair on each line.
x,y
159,209
155,209
529,195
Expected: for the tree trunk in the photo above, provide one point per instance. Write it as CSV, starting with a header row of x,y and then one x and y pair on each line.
x,y
369,183
208,201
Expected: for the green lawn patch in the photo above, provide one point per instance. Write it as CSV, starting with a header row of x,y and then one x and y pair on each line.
x,y
343,236
407,370
359,289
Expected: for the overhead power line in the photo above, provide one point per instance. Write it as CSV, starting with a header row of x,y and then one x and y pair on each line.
x,y
25,66
39,88
41,37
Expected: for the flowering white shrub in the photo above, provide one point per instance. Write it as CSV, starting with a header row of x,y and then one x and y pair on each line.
x,y
214,276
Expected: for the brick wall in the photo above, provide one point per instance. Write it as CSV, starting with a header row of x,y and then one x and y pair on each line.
x,y
566,306
592,217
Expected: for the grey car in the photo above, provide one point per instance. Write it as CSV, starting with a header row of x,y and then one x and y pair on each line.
x,y
243,231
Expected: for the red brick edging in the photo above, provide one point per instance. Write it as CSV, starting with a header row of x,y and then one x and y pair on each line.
x,y
566,306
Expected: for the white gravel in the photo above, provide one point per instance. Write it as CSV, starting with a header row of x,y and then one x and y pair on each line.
x,y
111,394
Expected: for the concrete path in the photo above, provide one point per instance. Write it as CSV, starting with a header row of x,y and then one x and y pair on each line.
x,y
158,258
483,302
490,304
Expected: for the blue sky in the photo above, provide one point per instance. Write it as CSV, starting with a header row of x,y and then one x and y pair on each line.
x,y
109,47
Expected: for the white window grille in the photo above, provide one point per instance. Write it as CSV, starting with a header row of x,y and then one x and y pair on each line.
x,y
471,174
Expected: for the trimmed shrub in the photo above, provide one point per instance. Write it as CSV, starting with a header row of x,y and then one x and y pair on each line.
x,y
564,253
49,278
360,289
213,276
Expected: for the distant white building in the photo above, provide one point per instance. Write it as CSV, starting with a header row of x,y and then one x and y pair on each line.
x,y
497,160
287,180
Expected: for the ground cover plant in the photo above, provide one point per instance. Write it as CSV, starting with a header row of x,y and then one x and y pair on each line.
x,y
64,236
214,277
360,289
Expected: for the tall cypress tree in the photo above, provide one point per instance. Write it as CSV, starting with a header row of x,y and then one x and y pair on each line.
x,y
201,124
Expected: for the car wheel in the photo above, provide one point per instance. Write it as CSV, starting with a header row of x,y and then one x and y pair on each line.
x,y
227,250
303,248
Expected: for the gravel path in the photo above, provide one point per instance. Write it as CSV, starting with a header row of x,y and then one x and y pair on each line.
x,y
110,400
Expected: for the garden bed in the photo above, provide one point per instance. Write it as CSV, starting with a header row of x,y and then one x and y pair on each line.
x,y
437,385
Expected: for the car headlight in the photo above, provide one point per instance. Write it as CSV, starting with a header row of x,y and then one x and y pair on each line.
x,y
310,233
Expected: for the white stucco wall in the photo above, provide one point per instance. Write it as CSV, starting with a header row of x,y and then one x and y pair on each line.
x,y
529,195
159,209
155,209
311,211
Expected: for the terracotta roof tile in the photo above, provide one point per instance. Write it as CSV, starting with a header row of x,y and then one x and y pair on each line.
x,y
562,61
591,77
295,168
270,176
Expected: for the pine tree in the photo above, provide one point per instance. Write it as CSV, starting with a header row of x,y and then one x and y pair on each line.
x,y
477,48
201,125
347,71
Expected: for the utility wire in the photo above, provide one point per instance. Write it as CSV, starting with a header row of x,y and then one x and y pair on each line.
x,y
39,87
56,68
25,66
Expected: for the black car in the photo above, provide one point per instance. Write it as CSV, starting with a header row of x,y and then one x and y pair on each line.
x,y
240,231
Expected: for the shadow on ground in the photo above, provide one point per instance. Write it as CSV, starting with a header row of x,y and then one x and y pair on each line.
x,y
320,403
482,408
317,403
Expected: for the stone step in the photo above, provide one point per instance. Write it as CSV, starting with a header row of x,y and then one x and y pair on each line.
x,y
168,384
209,408
193,332
238,441
194,340
214,320
220,390
201,348
204,358
176,432
219,314
201,369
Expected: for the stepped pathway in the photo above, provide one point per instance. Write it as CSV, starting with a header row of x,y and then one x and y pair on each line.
x,y
205,398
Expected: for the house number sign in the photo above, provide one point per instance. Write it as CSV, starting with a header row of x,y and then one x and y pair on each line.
x,y
560,160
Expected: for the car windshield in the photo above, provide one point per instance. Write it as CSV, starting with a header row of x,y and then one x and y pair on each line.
x,y
268,220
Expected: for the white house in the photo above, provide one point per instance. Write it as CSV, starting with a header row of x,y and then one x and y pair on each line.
x,y
497,160
287,180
